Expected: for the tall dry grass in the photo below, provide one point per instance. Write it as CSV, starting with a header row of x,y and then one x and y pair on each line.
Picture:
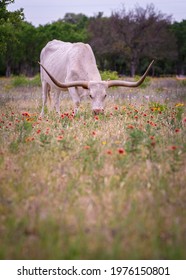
x,y
85,187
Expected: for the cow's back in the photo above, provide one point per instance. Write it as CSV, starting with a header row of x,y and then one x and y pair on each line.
x,y
68,61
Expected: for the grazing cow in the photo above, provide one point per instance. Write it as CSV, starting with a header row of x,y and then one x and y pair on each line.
x,y
72,67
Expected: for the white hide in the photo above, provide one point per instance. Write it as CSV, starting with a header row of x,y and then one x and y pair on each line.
x,y
71,62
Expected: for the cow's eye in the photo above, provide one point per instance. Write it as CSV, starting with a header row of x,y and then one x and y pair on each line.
x,y
90,96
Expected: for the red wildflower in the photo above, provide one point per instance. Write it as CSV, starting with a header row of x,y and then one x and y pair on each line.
x,y
86,147
177,130
25,114
96,118
152,137
109,152
93,133
29,139
173,148
130,126
116,108
121,151
59,138
38,131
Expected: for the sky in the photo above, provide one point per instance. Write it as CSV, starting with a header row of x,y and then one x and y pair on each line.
x,y
46,11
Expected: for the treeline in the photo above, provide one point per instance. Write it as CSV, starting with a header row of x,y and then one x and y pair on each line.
x,y
124,42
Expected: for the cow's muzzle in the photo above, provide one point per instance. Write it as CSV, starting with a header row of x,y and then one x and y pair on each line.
x,y
98,111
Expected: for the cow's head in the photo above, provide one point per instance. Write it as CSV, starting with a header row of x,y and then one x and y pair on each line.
x,y
97,89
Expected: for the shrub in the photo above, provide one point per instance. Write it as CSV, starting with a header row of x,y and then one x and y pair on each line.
x,y
146,82
109,75
22,81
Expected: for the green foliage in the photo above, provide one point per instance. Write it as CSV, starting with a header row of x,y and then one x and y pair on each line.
x,y
9,29
21,42
146,82
109,75
21,81
157,107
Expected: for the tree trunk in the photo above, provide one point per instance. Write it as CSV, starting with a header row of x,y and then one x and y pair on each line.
x,y
8,69
132,68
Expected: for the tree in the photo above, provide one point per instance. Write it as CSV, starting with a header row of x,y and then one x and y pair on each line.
x,y
143,33
9,26
179,30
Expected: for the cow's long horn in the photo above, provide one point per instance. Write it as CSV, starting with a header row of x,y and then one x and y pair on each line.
x,y
83,84
130,84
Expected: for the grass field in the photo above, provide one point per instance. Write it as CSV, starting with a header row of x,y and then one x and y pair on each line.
x,y
85,187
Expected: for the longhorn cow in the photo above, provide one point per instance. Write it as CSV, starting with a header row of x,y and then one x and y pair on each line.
x,y
72,67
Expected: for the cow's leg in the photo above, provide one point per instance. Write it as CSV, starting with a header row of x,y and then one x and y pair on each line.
x,y
56,101
45,89
76,98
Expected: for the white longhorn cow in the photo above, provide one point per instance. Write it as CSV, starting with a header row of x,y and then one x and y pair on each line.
x,y
72,66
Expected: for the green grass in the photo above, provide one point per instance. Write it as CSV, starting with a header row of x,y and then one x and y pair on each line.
x,y
81,187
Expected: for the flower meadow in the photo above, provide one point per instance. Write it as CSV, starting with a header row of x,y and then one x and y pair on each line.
x,y
81,186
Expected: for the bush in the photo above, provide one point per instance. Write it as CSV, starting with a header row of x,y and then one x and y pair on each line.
x,y
146,82
109,75
22,81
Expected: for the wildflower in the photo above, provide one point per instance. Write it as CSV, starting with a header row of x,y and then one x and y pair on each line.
x,y
184,120
144,115
177,130
173,148
96,118
25,114
130,126
121,151
38,131
179,105
116,108
136,117
104,143
86,147
152,137
59,138
109,152
29,139
93,133
70,117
